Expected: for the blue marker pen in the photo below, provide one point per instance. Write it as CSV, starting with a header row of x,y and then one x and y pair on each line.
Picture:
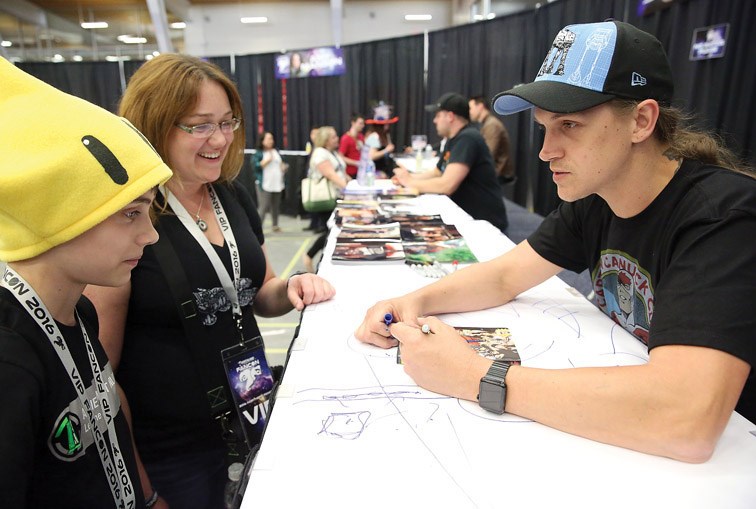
x,y
387,319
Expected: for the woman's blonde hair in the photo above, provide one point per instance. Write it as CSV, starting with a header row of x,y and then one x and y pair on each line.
x,y
165,89
323,135
675,128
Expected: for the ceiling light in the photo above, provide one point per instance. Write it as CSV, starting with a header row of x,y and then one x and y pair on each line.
x,y
255,19
417,17
77,58
58,58
6,44
178,25
94,24
491,15
130,39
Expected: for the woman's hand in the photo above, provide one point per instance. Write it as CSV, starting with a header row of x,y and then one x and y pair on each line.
x,y
305,289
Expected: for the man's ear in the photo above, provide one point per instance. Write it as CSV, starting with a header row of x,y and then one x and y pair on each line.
x,y
646,115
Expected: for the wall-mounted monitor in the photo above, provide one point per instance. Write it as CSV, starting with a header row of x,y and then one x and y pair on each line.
x,y
328,61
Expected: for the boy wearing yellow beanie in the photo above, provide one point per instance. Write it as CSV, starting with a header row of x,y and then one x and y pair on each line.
x,y
76,185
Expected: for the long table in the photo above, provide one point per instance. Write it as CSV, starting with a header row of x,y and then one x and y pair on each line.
x,y
350,429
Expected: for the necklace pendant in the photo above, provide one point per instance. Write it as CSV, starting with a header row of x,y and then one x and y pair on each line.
x,y
202,225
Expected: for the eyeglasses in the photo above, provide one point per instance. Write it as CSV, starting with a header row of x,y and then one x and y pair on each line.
x,y
207,130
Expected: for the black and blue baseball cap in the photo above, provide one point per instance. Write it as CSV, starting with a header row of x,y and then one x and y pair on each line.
x,y
590,64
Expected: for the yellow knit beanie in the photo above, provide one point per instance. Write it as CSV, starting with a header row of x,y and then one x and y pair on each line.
x,y
66,165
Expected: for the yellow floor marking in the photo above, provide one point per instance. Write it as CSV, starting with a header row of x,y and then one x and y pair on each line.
x,y
297,256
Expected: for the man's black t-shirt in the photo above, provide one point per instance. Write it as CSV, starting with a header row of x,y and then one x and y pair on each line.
x,y
479,193
48,457
681,272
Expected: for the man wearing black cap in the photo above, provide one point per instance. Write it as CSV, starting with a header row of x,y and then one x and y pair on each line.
x,y
465,170
660,213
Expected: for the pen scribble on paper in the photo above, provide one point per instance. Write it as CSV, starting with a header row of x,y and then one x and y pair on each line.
x,y
530,355
561,313
348,425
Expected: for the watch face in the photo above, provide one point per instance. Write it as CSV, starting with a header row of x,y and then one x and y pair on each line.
x,y
492,397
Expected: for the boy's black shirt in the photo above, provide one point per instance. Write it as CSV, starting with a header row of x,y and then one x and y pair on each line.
x,y
41,418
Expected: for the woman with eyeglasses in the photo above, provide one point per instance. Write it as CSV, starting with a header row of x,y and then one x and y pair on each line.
x,y
194,294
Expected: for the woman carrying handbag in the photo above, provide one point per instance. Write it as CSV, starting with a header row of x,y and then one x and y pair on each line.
x,y
326,162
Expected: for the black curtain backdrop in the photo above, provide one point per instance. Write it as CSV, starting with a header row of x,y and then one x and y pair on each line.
x,y
482,58
97,82
490,57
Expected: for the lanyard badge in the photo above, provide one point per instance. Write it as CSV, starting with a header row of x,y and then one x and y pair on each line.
x,y
251,383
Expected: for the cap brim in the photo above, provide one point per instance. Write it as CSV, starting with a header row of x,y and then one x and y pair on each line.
x,y
392,120
550,96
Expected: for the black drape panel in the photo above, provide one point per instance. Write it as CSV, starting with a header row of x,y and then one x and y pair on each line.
x,y
389,71
719,91
223,62
481,58
97,82
254,77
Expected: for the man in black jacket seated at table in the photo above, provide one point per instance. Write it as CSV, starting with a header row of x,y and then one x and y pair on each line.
x,y
465,170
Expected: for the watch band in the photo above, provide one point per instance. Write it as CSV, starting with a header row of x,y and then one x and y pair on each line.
x,y
492,394
498,370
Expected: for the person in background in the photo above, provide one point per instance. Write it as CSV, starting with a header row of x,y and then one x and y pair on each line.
x,y
326,161
496,136
350,145
167,356
658,212
314,225
271,181
76,185
378,138
465,170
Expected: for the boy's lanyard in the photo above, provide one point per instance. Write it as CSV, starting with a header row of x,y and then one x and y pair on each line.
x,y
228,285
111,458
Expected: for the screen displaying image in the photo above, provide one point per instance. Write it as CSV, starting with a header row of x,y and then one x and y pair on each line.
x,y
328,61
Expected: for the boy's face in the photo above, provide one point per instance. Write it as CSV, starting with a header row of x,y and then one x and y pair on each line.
x,y
106,254
588,152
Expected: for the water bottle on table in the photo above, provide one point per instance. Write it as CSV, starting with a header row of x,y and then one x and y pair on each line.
x,y
362,166
370,174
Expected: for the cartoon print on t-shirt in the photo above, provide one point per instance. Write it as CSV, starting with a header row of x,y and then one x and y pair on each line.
x,y
624,292
214,300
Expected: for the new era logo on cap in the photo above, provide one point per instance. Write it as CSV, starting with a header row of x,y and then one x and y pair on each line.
x,y
637,80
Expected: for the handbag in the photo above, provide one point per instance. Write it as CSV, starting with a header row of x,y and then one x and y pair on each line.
x,y
318,194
